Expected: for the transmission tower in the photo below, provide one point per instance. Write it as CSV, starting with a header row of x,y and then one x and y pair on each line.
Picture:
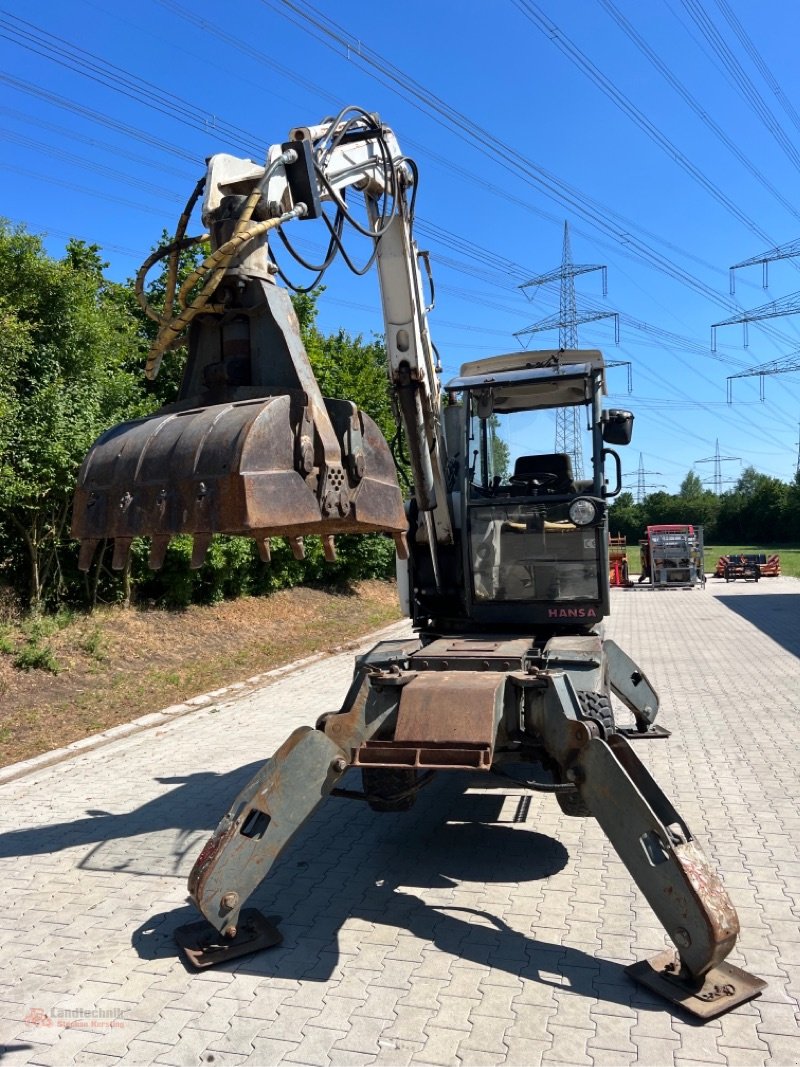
x,y
764,370
787,305
641,484
718,460
568,420
787,251
797,465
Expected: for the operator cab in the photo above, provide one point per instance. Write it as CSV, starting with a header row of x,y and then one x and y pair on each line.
x,y
533,529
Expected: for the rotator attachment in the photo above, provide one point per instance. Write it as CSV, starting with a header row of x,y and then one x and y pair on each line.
x,y
251,448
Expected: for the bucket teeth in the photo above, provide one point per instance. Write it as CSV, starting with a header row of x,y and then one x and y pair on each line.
x,y
264,550
88,549
158,552
199,549
298,547
122,553
329,548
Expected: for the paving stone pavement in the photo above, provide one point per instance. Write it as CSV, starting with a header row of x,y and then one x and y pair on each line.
x,y
451,934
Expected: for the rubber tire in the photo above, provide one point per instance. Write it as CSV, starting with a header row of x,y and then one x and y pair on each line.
x,y
381,785
595,706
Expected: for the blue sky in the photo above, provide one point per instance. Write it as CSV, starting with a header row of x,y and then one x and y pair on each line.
x,y
546,112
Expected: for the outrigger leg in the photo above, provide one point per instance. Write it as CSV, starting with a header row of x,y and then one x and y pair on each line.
x,y
662,856
264,818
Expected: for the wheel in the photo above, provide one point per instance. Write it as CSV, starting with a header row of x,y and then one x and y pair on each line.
x,y
389,789
597,707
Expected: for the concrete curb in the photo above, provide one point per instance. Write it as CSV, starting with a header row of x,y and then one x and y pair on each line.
x,y
175,711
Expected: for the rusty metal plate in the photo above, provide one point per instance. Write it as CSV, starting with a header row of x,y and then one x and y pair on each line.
x,y
439,757
455,708
204,946
721,989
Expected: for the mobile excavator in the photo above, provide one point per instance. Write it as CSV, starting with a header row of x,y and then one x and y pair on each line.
x,y
501,553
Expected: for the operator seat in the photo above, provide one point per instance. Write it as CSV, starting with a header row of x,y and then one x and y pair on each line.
x,y
548,474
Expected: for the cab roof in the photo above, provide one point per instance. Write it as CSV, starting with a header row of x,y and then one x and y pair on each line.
x,y
522,381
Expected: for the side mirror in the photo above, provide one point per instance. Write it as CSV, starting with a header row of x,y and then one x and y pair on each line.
x,y
617,427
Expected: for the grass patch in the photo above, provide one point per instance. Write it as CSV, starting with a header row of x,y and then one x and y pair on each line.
x,y
40,627
94,644
789,554
35,657
73,675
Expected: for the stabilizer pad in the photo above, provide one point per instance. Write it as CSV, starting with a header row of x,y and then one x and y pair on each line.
x,y
722,988
652,733
205,946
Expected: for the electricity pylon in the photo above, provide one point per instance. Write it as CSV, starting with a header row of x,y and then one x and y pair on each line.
x,y
718,460
641,484
764,370
568,425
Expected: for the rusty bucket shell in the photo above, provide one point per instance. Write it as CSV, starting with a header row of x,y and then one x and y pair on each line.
x,y
228,468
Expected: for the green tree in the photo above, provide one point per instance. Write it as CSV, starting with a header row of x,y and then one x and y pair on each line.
x,y
500,459
64,342
791,527
761,501
626,517
691,487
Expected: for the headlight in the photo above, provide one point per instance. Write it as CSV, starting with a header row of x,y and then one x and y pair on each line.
x,y
582,512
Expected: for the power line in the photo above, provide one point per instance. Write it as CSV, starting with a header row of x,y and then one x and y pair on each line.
x,y
99,117
692,102
762,67
534,14
207,125
626,232
88,65
740,79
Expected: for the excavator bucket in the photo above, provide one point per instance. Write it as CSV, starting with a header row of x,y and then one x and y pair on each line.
x,y
288,464
231,469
